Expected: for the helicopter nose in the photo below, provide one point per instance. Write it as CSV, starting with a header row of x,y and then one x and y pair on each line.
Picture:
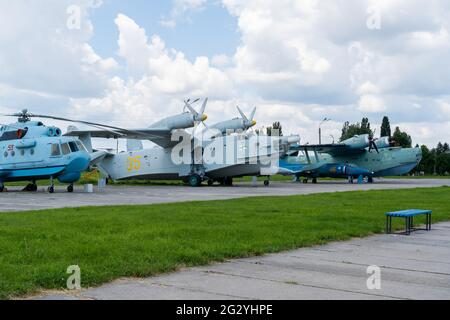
x,y
79,163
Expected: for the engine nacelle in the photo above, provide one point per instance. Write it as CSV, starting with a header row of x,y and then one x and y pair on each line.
x,y
53,132
181,121
383,142
358,142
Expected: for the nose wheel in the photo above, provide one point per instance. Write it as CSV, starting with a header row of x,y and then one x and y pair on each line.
x,y
2,188
51,189
70,188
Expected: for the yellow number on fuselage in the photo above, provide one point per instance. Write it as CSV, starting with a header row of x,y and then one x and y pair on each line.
x,y
133,163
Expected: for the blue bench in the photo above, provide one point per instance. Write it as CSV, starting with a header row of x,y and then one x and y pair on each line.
x,y
408,215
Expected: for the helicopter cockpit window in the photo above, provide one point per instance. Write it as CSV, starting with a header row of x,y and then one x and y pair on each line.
x,y
73,146
81,147
55,150
65,148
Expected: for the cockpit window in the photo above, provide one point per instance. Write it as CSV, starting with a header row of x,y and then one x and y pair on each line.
x,y
55,150
81,147
65,148
73,146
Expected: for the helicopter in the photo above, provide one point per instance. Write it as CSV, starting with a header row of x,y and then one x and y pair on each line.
x,y
31,151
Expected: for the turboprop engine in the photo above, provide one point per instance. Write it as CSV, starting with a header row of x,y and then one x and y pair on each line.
x,y
384,142
358,142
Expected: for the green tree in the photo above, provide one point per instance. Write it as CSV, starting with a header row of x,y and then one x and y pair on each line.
x,y
351,130
386,128
275,126
427,163
402,139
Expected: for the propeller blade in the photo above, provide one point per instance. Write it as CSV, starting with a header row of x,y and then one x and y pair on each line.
x,y
252,116
202,110
242,114
373,145
191,110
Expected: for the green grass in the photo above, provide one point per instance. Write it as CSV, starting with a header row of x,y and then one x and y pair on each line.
x,y
136,241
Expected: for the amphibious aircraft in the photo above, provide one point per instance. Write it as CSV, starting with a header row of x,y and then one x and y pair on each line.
x,y
360,156
31,151
250,157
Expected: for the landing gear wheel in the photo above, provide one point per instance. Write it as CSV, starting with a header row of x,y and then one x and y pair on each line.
x,y
314,180
51,189
31,187
195,180
210,183
266,183
370,179
228,182
70,188
3,189
305,181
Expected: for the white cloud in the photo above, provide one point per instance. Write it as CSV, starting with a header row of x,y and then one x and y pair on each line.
x,y
298,61
159,79
220,60
39,53
180,8
371,104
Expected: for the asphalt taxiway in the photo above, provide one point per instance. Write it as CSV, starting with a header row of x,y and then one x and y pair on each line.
x,y
15,200
411,267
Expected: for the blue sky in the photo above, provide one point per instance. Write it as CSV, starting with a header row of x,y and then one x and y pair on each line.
x,y
208,31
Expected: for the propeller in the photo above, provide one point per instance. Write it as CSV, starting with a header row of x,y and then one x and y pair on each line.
x,y
373,145
249,123
198,116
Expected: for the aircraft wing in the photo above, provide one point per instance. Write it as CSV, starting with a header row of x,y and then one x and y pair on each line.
x,y
331,149
161,137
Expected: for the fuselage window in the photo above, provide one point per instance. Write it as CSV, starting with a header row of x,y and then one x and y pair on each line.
x,y
55,150
73,146
65,148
